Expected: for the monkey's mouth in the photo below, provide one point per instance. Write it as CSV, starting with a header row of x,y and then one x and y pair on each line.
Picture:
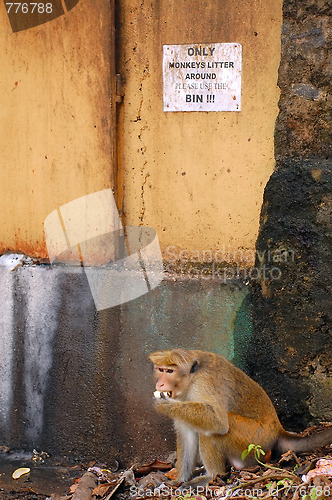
x,y
162,395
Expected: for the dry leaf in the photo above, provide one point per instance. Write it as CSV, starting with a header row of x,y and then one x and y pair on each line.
x,y
171,474
73,488
102,489
152,480
153,466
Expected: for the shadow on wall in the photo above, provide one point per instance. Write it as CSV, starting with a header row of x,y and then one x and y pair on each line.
x,y
243,331
23,16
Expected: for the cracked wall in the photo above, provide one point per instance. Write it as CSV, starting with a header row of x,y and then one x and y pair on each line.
x,y
57,119
197,178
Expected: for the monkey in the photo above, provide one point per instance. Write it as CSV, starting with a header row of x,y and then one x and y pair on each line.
x,y
217,412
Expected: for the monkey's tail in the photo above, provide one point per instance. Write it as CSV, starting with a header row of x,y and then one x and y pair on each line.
x,y
289,441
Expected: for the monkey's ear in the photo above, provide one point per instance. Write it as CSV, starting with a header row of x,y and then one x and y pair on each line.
x,y
194,366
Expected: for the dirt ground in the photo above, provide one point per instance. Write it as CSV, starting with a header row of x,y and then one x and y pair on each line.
x,y
293,477
47,476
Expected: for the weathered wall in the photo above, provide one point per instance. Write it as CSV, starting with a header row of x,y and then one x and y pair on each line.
x,y
291,351
197,178
69,373
76,382
57,129
304,126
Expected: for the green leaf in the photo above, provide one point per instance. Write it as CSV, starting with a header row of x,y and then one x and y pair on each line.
x,y
284,482
259,451
313,494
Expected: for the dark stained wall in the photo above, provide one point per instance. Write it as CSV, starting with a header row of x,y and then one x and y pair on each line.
x,y
291,353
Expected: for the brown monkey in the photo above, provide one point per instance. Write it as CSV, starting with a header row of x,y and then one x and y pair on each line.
x,y
218,411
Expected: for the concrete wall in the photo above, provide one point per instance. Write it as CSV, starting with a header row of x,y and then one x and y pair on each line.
x,y
69,373
197,178
76,382
57,123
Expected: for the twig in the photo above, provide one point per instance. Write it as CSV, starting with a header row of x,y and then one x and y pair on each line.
x,y
261,479
115,488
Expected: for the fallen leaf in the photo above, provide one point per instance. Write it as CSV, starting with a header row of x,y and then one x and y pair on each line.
x,y
152,480
73,488
154,466
171,474
102,489
288,456
323,468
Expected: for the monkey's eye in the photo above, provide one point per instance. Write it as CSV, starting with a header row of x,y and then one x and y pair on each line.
x,y
161,369
169,370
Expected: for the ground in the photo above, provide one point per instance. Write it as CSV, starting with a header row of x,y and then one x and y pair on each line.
x,y
291,477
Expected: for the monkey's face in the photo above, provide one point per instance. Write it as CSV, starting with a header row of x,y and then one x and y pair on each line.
x,y
170,379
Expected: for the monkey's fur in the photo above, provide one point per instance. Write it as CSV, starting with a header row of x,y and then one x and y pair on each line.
x,y
218,411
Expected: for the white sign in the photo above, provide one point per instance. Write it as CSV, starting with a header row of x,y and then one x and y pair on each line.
x,y
202,77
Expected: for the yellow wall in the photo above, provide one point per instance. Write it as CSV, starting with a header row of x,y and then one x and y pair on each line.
x,y
55,119
197,178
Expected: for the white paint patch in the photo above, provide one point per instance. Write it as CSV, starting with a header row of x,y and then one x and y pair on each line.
x,y
94,223
6,347
202,77
40,289
11,261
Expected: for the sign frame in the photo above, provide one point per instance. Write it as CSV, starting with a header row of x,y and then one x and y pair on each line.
x,y
202,77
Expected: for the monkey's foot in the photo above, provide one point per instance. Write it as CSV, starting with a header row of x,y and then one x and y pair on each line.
x,y
199,481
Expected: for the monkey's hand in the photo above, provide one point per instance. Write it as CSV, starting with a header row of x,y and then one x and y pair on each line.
x,y
202,416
